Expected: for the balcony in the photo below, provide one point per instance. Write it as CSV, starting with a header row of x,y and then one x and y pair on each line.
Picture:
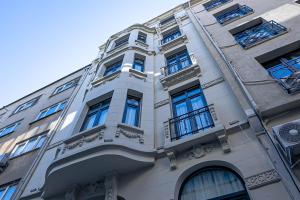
x,y
213,4
172,40
89,155
260,33
234,14
179,71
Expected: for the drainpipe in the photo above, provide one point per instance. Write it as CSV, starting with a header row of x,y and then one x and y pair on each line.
x,y
247,94
24,181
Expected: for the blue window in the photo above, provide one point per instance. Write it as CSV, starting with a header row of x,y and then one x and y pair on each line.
x,y
178,61
171,36
284,67
138,64
26,105
28,145
7,192
66,86
233,14
96,115
121,41
214,3
8,129
113,68
51,110
142,37
191,113
258,33
167,20
132,111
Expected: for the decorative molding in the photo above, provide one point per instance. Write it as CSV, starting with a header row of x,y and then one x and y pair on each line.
x,y
137,74
212,83
161,103
184,74
140,43
167,131
172,159
110,187
212,111
200,150
173,43
92,189
130,132
223,139
262,179
104,79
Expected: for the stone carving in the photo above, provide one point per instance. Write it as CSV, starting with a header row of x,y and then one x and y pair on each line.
x,y
92,189
200,150
262,179
105,79
161,103
82,140
130,132
167,130
110,187
137,74
172,158
224,143
213,112
185,74
213,82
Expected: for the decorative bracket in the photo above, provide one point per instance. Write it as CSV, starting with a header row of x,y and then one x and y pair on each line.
x,y
130,132
172,158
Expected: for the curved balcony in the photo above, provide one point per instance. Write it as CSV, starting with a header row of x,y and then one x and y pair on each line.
x,y
88,156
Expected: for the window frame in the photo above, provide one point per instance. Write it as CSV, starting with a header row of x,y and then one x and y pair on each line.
x,y
137,108
21,108
14,125
121,41
57,109
135,64
7,187
177,58
64,88
99,108
114,67
167,20
25,142
171,35
142,37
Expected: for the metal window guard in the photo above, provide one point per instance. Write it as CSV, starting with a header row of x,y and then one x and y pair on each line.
x,y
189,123
189,61
259,33
171,38
234,14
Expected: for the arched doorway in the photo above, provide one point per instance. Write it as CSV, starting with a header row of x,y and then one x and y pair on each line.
x,y
213,183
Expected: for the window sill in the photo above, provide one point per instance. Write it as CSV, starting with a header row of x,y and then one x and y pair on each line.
x,y
37,120
141,43
130,132
104,79
137,74
28,152
85,133
2,136
117,48
173,43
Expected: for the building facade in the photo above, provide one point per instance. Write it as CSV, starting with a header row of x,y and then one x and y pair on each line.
x,y
198,103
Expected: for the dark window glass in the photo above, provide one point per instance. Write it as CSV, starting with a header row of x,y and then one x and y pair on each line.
x,y
7,192
171,36
214,3
167,20
96,115
132,111
8,129
113,68
142,37
191,113
138,64
66,86
258,33
26,105
236,13
121,41
178,61
51,110
213,184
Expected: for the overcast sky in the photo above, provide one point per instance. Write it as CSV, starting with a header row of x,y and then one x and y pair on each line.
x,y
43,40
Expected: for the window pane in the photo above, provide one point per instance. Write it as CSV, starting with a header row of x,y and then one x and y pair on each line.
x,y
62,105
1,192
51,110
30,145
102,117
89,122
9,193
41,141
19,149
131,116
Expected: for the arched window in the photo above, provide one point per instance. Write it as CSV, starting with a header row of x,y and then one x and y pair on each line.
x,y
213,184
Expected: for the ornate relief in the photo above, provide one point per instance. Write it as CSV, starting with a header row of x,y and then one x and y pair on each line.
x,y
110,187
185,74
137,74
130,132
200,150
82,140
71,193
167,130
213,82
224,143
262,179
105,79
213,112
172,158
161,103
92,189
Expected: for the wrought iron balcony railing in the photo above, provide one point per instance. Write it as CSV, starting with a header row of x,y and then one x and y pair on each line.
x,y
214,3
259,33
238,12
170,37
190,123
177,66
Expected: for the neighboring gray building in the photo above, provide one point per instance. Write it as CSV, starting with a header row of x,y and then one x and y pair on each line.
x,y
199,103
